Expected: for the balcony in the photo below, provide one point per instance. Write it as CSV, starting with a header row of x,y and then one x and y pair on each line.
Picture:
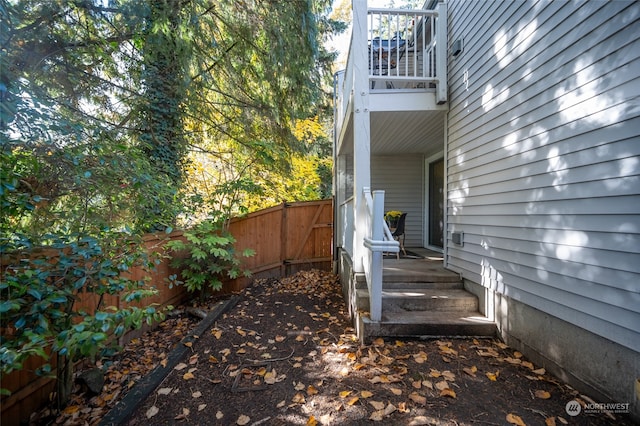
x,y
396,72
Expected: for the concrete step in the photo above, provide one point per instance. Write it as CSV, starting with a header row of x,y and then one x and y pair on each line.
x,y
421,299
420,324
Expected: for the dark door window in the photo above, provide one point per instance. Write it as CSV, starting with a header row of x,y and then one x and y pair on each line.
x,y
436,203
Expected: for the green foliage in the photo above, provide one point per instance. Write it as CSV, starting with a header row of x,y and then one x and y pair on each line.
x,y
41,286
210,257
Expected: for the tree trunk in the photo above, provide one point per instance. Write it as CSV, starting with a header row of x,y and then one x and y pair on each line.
x,y
64,381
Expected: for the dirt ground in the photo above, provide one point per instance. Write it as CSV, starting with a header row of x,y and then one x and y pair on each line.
x,y
287,354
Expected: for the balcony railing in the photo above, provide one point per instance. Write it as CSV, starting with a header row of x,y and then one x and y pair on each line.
x,y
395,50
402,48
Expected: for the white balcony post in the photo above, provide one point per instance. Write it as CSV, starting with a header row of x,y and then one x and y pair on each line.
x,y
377,234
441,52
361,128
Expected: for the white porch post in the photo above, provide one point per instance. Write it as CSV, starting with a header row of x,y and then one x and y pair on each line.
x,y
377,234
361,129
441,52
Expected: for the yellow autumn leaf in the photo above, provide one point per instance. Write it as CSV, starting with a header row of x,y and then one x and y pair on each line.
x,y
528,365
366,394
517,354
353,400
280,338
344,394
550,421
71,409
492,376
542,394
311,390
188,376
378,342
163,363
241,332
312,421
358,366
213,359
298,398
448,392
188,344
216,333
515,420
396,391
399,344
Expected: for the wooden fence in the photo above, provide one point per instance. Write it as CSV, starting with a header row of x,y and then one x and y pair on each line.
x,y
287,238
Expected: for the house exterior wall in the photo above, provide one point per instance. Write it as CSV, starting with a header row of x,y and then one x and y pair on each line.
x,y
401,177
543,179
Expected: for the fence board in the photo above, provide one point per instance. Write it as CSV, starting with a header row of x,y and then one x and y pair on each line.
x,y
286,238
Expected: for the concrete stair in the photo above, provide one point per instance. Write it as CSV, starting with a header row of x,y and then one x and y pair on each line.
x,y
421,299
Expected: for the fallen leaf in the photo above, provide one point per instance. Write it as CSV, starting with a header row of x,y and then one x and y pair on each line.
x,y
542,394
441,385
563,420
152,411
219,414
188,344
420,357
449,376
417,398
378,405
396,391
539,371
471,370
378,342
312,421
242,333
493,376
366,394
281,404
345,394
515,420
311,390
164,391
243,420
517,354
213,359
185,413
280,338
550,421
202,407
416,384
180,366
298,398
448,392
163,362
196,394
528,365
188,376
216,333
353,400
390,408
377,416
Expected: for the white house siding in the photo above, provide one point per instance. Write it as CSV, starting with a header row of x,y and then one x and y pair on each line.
x,y
401,177
543,157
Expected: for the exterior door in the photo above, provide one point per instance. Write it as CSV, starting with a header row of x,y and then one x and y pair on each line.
x,y
436,203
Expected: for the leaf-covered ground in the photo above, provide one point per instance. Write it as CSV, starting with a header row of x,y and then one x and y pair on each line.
x,y
286,354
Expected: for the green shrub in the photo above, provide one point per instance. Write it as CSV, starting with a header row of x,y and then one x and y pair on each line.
x,y
210,258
